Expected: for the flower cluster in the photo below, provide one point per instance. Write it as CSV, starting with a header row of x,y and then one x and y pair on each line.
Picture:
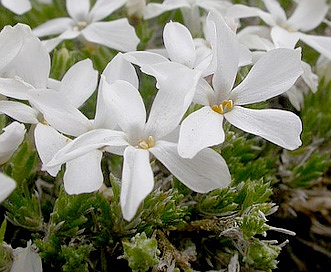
x,y
210,70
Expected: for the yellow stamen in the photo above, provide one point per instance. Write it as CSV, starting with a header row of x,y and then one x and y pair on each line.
x,y
143,144
224,107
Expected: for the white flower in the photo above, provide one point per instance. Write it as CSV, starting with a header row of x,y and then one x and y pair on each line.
x,y
60,111
7,186
273,74
86,22
139,139
10,140
190,10
286,32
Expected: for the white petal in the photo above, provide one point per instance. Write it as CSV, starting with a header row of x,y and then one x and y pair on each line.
x,y
26,259
201,129
283,38
176,93
32,63
117,34
48,142
204,94
127,106
308,14
18,6
309,77
69,34
153,10
7,185
91,140
226,55
242,11
104,117
276,10
83,174
121,69
144,58
59,112
103,8
79,82
10,45
19,111
277,126
137,180
179,44
273,74
53,27
321,44
14,88
10,140
78,9
205,172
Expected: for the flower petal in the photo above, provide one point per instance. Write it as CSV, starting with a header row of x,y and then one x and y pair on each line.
x,y
127,106
117,34
177,89
204,172
277,126
137,180
121,69
91,140
153,10
78,9
283,38
83,174
225,46
32,63
53,27
201,129
273,74
10,140
179,44
48,142
308,14
104,117
103,8
144,58
275,9
14,88
18,6
7,185
19,111
79,82
321,44
59,112
10,45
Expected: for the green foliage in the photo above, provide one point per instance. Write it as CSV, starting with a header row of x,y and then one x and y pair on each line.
x,y
262,255
141,252
23,205
5,252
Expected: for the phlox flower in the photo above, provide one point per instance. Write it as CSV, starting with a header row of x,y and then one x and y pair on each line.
x,y
286,32
60,112
258,39
7,186
273,74
138,139
83,21
190,10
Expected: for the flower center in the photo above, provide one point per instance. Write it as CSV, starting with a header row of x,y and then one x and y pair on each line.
x,y
224,107
143,144
80,26
287,27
